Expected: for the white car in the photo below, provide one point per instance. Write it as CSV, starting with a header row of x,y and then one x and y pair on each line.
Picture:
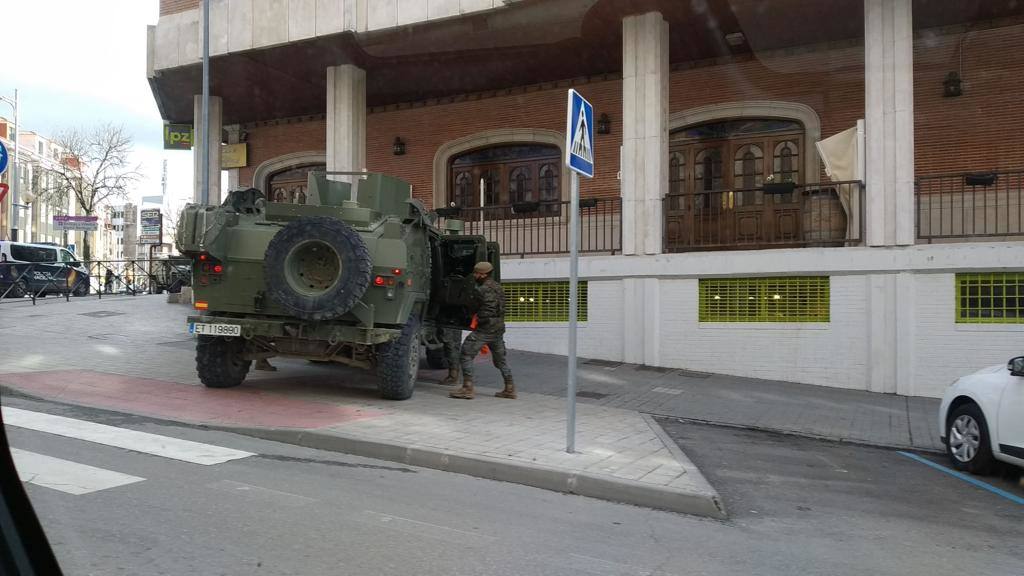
x,y
982,418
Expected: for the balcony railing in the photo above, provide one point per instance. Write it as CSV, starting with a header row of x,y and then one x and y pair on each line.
x,y
535,228
774,216
952,207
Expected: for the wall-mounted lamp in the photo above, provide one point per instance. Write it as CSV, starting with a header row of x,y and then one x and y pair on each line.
x,y
398,148
952,86
604,124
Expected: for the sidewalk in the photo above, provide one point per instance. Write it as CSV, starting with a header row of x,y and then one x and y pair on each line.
x,y
816,411
133,355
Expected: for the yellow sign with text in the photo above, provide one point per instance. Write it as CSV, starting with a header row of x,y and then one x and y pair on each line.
x,y
233,156
177,137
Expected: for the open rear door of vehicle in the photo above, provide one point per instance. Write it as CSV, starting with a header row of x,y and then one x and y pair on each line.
x,y
453,295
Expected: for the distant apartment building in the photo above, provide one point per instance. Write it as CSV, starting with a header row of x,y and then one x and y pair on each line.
x,y
26,213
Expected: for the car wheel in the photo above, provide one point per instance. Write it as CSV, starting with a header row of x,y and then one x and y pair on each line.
x,y
18,290
967,441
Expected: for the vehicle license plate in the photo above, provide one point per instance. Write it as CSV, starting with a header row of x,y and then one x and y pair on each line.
x,y
214,329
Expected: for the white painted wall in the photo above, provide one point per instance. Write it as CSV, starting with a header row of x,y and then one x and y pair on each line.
x,y
832,353
599,337
892,311
945,350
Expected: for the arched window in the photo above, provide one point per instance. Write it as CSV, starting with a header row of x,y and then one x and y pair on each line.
x,y
510,173
748,167
519,185
290,184
676,180
492,186
786,163
464,190
707,170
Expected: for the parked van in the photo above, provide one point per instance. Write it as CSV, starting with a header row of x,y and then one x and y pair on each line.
x,y
40,269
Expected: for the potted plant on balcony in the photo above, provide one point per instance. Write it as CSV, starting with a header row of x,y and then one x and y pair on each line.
x,y
774,186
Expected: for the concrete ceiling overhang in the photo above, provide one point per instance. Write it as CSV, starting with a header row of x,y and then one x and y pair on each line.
x,y
528,42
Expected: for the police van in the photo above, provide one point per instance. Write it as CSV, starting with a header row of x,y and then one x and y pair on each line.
x,y
40,269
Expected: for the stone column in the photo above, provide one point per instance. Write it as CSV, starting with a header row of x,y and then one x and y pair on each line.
x,y
346,118
216,125
233,133
889,119
644,160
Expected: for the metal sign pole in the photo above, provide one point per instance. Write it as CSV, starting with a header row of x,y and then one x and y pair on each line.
x,y
574,208
205,148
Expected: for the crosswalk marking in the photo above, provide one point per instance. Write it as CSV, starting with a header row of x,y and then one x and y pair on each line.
x,y
155,444
66,476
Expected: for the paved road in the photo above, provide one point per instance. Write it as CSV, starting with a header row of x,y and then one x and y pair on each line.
x,y
877,504
291,510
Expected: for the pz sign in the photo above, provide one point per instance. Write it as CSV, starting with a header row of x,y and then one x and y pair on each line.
x,y
177,137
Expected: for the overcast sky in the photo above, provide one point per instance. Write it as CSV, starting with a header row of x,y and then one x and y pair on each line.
x,y
80,63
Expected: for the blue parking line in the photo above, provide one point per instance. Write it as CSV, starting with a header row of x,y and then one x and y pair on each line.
x,y
984,486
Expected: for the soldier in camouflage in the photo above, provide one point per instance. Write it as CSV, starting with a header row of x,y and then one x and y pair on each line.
x,y
451,338
490,331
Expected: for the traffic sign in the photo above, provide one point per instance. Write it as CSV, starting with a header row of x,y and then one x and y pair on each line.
x,y
3,158
579,135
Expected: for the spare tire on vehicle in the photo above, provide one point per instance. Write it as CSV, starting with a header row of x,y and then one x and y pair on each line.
x,y
317,268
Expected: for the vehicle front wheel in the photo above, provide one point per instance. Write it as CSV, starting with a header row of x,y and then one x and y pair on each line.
x,y
219,361
399,363
967,440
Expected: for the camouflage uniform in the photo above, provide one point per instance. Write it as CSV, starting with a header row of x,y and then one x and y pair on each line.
x,y
452,340
490,330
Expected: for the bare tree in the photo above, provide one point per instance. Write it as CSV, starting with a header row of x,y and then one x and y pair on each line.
x,y
95,169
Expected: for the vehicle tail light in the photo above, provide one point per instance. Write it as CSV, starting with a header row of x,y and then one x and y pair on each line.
x,y
397,271
217,269
203,257
202,305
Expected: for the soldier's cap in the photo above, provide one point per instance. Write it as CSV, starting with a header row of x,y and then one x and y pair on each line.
x,y
483,268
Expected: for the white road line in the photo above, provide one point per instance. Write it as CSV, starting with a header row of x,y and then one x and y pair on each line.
x,y
155,444
664,390
66,476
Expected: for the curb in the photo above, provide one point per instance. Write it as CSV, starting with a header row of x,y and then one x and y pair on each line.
x,y
703,502
798,434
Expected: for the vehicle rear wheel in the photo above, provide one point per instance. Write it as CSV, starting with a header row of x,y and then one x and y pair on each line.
x,y
18,290
219,361
317,268
399,363
436,359
82,289
967,440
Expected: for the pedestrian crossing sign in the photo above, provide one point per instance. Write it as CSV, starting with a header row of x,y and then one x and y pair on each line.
x,y
579,135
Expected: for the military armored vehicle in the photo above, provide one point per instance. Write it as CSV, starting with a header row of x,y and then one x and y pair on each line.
x,y
359,275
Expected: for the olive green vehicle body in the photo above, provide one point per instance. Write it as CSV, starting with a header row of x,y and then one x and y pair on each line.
x,y
419,273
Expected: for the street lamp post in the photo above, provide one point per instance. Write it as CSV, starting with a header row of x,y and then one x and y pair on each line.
x,y
14,166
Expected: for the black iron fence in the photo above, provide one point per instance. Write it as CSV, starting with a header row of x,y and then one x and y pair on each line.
x,y
773,216
970,205
531,228
33,280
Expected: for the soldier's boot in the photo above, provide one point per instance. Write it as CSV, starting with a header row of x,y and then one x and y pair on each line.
x,y
264,364
465,392
509,391
452,378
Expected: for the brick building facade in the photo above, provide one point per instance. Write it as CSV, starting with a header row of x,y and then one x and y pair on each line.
x,y
713,113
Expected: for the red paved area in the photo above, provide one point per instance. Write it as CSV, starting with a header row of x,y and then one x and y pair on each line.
x,y
182,402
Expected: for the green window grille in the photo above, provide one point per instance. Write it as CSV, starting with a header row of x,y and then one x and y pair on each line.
x,y
990,298
781,299
542,302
